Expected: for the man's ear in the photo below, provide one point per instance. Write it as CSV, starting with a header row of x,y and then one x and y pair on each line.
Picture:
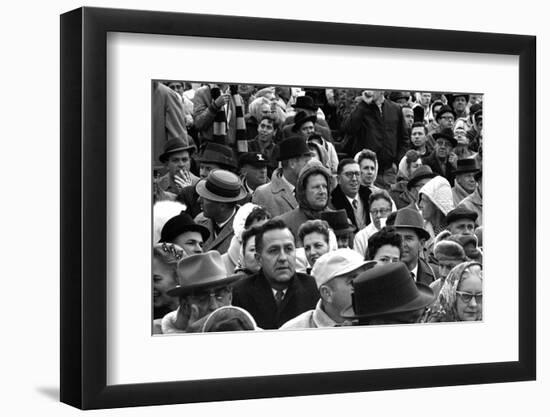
x,y
326,293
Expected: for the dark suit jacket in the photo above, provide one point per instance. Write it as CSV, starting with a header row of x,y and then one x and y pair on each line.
x,y
425,273
339,201
433,163
254,294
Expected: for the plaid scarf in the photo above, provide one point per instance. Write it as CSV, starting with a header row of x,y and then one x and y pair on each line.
x,y
220,127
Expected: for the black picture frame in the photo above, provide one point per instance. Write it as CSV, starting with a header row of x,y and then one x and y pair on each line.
x,y
84,207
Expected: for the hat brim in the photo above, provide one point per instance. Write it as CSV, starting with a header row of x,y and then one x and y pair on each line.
x,y
205,233
313,108
424,298
415,180
164,156
188,289
453,141
340,232
296,126
205,193
466,171
424,234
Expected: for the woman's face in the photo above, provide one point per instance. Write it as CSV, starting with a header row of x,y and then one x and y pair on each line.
x,y
163,280
249,259
469,295
414,166
387,254
427,208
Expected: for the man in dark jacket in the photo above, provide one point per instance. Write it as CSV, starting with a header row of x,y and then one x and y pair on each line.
x,y
410,225
377,124
276,293
350,195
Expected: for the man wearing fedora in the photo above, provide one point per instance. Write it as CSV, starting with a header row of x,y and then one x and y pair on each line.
x,y
203,286
306,104
219,194
387,295
177,161
182,231
213,156
465,183
350,195
253,170
459,103
312,195
341,226
377,124
277,196
410,225
333,273
276,293
442,160
409,196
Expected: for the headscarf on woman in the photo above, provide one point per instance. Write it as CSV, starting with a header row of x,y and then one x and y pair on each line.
x,y
439,192
444,309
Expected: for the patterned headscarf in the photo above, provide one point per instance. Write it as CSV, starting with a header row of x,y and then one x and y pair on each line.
x,y
444,309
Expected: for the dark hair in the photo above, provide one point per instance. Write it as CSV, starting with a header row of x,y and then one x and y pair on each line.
x,y
390,220
343,163
273,224
367,154
385,236
248,234
381,194
271,119
257,213
313,226
420,124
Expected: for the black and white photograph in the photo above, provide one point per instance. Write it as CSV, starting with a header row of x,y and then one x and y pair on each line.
x,y
280,207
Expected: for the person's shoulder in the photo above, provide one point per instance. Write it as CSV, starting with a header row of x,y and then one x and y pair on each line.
x,y
303,321
306,279
246,282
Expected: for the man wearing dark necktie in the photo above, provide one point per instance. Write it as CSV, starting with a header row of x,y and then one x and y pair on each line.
x,y
276,293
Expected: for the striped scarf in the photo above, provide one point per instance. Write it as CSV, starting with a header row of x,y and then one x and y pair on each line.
x,y
220,127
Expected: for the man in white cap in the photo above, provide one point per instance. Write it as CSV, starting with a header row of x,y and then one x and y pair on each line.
x,y
333,273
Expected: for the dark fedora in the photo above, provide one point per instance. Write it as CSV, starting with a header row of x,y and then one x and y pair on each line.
x,y
221,186
200,272
453,96
446,134
293,147
215,153
338,221
301,118
445,109
305,102
411,219
422,172
254,159
466,165
387,289
460,213
179,224
175,145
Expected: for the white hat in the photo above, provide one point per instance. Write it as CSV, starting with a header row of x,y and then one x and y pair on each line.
x,y
336,263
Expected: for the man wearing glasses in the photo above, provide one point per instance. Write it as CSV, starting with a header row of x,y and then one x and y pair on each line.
x,y
350,195
443,160
203,286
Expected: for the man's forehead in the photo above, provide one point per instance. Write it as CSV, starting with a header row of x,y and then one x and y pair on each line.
x,y
178,155
463,220
350,167
278,237
191,234
405,231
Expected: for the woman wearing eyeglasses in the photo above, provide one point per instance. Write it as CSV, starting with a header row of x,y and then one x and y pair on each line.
x,y
461,296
